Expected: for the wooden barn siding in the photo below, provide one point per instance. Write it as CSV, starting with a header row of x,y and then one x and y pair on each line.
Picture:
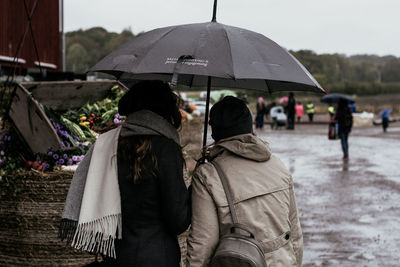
x,y
46,28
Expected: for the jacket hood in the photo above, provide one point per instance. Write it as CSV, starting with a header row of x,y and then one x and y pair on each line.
x,y
246,146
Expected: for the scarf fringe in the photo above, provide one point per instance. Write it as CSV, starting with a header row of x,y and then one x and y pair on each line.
x,y
98,236
67,230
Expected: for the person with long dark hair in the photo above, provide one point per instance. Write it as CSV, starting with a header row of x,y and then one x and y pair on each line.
x,y
344,119
137,203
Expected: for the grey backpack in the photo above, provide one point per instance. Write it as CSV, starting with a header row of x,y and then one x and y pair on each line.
x,y
236,249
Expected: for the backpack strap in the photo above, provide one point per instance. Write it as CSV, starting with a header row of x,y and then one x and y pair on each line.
x,y
224,182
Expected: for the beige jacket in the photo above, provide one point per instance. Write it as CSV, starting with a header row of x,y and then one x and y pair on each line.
x,y
263,197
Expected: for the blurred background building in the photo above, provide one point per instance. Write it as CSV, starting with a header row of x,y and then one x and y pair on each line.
x,y
35,49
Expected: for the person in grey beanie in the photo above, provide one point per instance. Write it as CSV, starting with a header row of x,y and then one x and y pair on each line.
x,y
261,189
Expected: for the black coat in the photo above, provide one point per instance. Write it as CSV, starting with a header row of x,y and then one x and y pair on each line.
x,y
154,211
345,119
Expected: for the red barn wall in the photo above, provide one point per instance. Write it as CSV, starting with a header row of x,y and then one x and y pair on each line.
x,y
46,30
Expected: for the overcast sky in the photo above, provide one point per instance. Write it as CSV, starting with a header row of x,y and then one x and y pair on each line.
x,y
324,26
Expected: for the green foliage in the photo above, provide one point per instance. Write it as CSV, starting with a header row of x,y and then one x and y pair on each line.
x,y
391,71
365,88
78,59
360,74
84,48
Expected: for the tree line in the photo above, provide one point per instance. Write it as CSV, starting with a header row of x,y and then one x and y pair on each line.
x,y
357,74
84,48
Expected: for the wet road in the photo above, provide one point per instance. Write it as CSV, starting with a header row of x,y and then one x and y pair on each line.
x,y
349,210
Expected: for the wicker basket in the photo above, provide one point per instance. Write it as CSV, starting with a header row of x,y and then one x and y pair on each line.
x,y
31,204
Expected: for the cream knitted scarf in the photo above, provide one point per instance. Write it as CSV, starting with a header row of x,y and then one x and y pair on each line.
x,y
92,219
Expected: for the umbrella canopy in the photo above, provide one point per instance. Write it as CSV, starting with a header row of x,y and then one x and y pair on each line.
x,y
335,98
283,99
209,54
386,111
231,56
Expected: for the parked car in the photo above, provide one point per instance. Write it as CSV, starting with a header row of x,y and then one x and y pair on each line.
x,y
200,107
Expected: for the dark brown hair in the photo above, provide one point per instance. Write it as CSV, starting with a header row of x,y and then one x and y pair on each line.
x,y
137,151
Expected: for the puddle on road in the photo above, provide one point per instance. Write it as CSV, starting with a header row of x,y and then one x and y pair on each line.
x,y
348,209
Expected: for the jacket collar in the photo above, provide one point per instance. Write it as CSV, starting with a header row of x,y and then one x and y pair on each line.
x,y
146,122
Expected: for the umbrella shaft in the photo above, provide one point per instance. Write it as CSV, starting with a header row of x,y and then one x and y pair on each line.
x,y
206,115
214,17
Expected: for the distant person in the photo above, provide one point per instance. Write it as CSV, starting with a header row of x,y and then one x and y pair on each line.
x,y
331,111
310,111
345,122
299,111
243,97
262,192
385,113
333,131
291,111
353,108
260,108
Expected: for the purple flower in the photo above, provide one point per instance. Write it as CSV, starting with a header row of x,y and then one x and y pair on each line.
x,y
63,133
2,153
58,163
50,153
61,161
65,156
1,161
76,138
55,156
9,138
75,158
45,166
70,162
80,144
37,158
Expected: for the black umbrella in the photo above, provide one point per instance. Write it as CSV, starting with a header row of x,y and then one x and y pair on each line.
x,y
209,54
335,98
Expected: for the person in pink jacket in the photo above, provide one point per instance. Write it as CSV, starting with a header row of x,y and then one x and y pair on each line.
x,y
299,111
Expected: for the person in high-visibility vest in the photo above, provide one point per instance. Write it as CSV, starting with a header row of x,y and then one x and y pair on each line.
x,y
310,111
331,111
